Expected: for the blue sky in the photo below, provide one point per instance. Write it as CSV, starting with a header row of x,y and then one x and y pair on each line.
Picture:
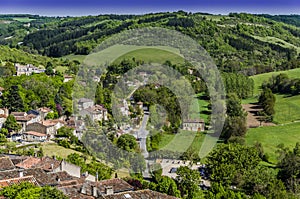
x,y
93,7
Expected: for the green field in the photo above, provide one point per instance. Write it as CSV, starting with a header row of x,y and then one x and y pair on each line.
x,y
271,137
79,58
202,104
51,149
287,109
152,55
277,41
182,141
116,52
23,19
259,79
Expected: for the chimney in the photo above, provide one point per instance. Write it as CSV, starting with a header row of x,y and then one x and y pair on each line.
x,y
21,173
109,190
95,191
52,166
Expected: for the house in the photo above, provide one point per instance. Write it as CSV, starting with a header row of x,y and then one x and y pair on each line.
x,y
18,180
145,194
48,127
4,112
27,69
50,165
193,125
6,163
67,78
77,125
17,137
95,113
84,103
24,119
43,111
32,136
41,176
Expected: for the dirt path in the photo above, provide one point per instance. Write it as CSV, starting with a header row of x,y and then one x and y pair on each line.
x,y
252,117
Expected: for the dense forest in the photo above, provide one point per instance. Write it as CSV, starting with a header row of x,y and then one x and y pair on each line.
x,y
237,42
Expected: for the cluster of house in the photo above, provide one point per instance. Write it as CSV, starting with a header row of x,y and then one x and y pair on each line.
x,y
27,69
36,128
68,178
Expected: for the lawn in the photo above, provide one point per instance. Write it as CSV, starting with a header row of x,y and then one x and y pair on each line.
x,y
270,137
287,109
202,104
259,79
181,141
153,55
51,149
113,53
277,41
23,19
72,57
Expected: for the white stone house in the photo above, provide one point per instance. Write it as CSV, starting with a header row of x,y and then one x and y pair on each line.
x,y
85,103
95,113
32,136
193,125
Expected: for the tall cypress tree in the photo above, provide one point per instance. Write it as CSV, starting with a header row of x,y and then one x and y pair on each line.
x,y
13,101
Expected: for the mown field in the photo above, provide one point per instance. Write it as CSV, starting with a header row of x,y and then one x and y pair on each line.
x,y
287,110
182,141
52,149
270,137
116,53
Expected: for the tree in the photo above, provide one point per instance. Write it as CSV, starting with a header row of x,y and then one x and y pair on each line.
x,y
127,142
267,101
11,124
289,164
188,181
228,163
2,138
49,69
235,123
12,99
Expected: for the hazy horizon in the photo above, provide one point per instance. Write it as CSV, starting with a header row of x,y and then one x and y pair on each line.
x,y
96,7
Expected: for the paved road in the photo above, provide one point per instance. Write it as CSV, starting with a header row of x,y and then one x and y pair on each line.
x,y
142,135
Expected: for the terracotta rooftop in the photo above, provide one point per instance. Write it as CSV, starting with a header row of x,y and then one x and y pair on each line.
x,y
6,163
49,123
19,114
117,184
44,109
35,133
62,177
28,163
96,109
141,194
47,164
12,181
41,176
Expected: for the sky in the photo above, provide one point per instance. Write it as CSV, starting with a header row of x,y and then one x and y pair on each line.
x,y
95,7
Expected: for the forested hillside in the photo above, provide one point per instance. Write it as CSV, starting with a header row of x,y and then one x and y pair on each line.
x,y
236,41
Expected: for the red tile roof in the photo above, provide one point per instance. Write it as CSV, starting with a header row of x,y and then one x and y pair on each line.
x,y
35,134
141,194
6,163
28,163
12,181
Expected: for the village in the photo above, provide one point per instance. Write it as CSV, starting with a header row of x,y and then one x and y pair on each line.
x,y
37,127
